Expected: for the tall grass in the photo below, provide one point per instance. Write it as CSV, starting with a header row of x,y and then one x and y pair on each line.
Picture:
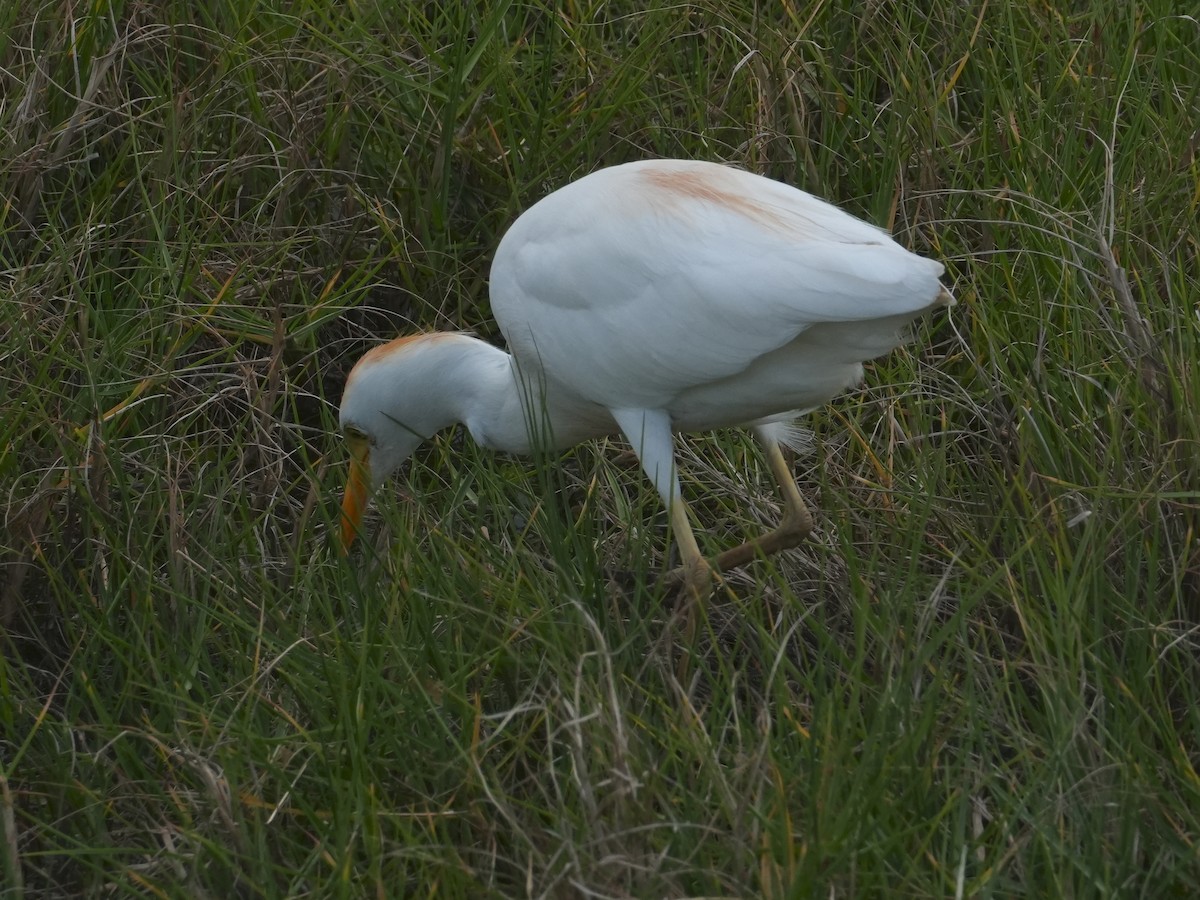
x,y
978,679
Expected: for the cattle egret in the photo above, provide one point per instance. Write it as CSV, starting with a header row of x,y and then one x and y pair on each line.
x,y
646,299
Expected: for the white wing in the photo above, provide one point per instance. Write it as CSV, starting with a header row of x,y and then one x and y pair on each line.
x,y
642,281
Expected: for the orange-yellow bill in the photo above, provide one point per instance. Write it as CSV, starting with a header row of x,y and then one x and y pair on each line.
x,y
358,489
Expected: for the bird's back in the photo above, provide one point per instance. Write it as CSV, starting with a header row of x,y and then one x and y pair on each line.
x,y
644,284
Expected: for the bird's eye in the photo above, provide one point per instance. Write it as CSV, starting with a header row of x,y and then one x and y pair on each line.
x,y
351,433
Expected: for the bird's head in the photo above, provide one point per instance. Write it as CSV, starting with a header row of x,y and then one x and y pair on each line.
x,y
394,400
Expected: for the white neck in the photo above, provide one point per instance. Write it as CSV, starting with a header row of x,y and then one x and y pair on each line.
x,y
497,401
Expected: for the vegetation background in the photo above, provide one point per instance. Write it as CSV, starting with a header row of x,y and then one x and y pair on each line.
x,y
979,679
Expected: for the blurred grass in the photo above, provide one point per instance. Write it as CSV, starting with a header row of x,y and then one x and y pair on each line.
x,y
979,680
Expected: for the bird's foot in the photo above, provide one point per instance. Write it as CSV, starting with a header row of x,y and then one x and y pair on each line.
x,y
699,577
694,579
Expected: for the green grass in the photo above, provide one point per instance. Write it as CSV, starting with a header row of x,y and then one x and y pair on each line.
x,y
979,679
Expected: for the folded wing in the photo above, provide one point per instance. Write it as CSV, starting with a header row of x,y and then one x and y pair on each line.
x,y
643,281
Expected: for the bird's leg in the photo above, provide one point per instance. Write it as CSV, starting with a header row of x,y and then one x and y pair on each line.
x,y
649,433
797,524
797,521
696,575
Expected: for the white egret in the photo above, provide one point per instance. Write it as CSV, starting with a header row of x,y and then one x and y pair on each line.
x,y
646,299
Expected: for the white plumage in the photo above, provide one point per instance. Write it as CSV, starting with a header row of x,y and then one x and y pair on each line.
x,y
648,298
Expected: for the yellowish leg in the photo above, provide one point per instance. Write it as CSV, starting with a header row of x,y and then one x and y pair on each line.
x,y
797,524
695,573
797,521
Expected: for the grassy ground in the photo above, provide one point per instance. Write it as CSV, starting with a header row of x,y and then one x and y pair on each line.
x,y
979,679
